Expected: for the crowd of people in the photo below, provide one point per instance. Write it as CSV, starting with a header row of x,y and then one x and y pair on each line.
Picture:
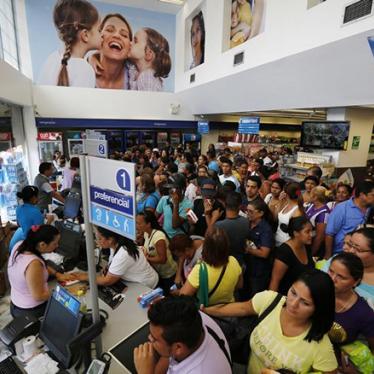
x,y
229,233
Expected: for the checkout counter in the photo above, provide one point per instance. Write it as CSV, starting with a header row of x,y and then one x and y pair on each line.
x,y
122,321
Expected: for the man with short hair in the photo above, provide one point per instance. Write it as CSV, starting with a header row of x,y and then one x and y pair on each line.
x,y
186,340
252,188
226,166
46,191
236,226
175,206
347,216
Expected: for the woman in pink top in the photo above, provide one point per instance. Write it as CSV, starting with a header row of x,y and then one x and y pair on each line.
x,y
28,273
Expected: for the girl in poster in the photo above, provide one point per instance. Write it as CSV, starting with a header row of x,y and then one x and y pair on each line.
x,y
77,23
150,53
246,18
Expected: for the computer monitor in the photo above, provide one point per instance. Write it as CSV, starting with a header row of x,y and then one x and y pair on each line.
x,y
76,185
62,322
72,205
70,239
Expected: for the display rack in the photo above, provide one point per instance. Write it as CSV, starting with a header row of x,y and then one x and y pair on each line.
x,y
297,171
13,178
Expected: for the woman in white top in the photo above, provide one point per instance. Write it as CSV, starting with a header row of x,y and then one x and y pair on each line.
x,y
293,208
125,262
156,249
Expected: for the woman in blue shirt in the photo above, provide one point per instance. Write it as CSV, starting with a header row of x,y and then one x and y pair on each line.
x,y
28,214
149,197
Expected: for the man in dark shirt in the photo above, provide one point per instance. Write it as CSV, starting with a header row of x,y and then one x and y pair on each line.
x,y
236,226
207,208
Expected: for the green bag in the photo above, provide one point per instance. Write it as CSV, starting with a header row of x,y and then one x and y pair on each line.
x,y
203,293
360,355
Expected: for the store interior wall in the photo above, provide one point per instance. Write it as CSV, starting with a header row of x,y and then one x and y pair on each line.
x,y
292,64
311,76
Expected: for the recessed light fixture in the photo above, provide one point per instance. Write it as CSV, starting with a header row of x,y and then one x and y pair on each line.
x,y
176,2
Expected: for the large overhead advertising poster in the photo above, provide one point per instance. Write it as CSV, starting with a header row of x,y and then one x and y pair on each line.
x,y
95,44
247,20
195,38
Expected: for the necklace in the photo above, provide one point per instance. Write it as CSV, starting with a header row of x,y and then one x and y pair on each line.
x,y
346,305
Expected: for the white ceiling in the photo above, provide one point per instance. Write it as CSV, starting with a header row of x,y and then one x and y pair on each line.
x,y
154,5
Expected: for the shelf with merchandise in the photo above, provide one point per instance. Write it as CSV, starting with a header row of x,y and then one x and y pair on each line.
x,y
13,177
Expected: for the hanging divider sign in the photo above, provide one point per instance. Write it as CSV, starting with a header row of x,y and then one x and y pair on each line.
x,y
249,125
203,127
96,147
111,193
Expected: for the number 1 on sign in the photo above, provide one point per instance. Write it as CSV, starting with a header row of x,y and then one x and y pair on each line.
x,y
123,177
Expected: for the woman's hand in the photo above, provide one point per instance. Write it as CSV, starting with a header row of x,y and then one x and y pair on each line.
x,y
80,276
49,219
346,366
94,61
145,359
65,277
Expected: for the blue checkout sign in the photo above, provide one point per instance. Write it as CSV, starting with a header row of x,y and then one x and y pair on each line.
x,y
249,125
112,202
203,127
114,221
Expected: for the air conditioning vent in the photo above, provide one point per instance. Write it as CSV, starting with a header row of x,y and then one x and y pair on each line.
x,y
357,10
239,58
192,78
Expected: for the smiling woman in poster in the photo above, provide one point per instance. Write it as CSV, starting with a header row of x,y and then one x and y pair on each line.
x,y
131,63
197,40
113,69
77,23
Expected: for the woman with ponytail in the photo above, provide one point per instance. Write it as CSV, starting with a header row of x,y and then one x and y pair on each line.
x,y
150,53
125,262
293,208
294,256
27,214
28,273
77,23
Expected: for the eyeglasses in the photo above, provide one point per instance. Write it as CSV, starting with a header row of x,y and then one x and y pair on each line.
x,y
356,247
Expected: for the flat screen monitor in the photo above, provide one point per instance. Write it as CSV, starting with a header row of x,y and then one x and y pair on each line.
x,y
70,239
76,185
72,205
325,135
62,322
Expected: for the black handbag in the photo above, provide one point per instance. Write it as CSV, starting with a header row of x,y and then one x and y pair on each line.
x,y
237,331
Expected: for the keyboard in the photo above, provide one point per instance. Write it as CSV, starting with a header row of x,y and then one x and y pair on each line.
x,y
8,366
108,295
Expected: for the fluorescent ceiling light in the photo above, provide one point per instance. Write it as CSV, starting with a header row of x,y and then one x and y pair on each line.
x,y
177,2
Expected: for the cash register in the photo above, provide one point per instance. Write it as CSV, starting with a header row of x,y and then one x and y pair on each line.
x,y
61,330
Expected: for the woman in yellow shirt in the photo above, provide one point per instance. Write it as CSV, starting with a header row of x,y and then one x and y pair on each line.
x,y
216,257
294,335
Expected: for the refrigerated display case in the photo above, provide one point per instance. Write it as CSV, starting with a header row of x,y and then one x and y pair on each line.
x,y
75,147
13,178
48,144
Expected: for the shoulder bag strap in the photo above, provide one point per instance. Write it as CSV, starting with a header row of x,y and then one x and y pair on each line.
x,y
268,310
218,281
220,342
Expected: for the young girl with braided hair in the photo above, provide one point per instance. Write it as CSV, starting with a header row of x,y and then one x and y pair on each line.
x,y
150,53
77,23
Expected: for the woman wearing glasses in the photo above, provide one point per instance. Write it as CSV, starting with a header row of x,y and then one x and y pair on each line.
x,y
361,243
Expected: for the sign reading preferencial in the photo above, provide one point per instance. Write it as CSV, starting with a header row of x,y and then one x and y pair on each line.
x,y
112,195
